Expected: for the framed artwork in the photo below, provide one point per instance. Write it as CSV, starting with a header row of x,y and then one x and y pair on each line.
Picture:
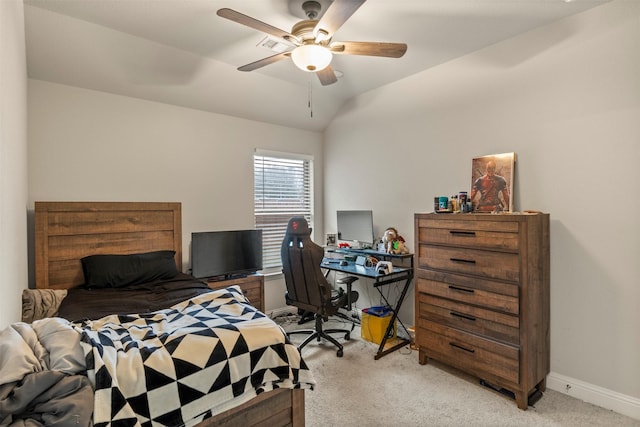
x,y
492,183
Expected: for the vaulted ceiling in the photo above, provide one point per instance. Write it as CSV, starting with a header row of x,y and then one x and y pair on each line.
x,y
181,52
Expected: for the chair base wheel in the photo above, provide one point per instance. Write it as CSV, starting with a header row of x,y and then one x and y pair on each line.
x,y
319,334
339,353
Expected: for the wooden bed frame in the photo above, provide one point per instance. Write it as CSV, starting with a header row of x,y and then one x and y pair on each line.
x,y
65,232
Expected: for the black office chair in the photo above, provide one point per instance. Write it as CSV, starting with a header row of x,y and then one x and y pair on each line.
x,y
307,288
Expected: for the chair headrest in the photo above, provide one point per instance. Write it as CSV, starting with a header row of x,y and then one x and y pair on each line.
x,y
298,226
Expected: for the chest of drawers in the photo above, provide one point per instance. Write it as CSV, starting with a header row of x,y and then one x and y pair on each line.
x,y
482,297
252,286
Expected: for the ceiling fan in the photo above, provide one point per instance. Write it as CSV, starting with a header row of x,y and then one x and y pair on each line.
x,y
312,47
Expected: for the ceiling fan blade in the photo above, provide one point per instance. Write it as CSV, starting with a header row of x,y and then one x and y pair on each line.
x,y
389,50
335,16
265,61
327,76
256,25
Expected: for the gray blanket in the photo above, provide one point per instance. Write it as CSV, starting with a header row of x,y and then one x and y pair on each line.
x,y
41,376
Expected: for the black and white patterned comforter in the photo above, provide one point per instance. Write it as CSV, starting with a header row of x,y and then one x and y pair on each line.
x,y
181,365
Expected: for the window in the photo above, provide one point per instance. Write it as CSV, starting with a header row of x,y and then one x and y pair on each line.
x,y
282,189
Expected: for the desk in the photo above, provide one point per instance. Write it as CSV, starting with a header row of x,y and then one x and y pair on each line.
x,y
399,274
376,254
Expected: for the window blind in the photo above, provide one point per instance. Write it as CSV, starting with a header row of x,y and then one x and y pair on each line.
x,y
282,189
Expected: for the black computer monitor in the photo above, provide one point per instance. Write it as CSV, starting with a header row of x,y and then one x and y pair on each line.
x,y
356,226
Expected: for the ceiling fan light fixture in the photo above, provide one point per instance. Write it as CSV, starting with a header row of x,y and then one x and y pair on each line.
x,y
311,57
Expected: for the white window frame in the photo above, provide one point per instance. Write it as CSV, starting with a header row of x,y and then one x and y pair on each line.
x,y
272,216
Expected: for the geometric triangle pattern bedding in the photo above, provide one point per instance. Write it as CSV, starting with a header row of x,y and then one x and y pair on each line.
x,y
179,366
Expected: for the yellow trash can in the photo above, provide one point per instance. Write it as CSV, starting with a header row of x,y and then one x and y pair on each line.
x,y
374,322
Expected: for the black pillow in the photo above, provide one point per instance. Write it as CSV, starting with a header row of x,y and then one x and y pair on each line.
x,y
115,271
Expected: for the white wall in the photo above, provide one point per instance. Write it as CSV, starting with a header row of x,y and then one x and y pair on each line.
x,y
566,99
13,161
92,146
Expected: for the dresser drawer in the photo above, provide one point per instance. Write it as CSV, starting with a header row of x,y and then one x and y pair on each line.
x,y
505,302
489,264
499,235
500,326
469,352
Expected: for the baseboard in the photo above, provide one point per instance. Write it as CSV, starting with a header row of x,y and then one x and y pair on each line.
x,y
605,398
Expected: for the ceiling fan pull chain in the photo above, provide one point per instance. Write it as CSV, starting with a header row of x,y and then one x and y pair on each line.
x,y
310,105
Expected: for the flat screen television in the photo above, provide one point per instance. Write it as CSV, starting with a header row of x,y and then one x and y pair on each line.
x,y
356,226
226,254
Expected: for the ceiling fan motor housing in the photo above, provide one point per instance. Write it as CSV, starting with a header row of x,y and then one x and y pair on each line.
x,y
303,30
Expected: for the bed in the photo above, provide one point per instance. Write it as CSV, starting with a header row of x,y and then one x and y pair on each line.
x,y
67,234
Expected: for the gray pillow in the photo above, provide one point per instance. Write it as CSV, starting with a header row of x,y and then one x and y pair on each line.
x,y
40,303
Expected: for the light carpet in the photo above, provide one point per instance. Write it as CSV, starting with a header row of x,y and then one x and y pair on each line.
x,y
396,390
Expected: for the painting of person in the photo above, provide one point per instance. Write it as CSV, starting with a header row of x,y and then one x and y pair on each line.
x,y
492,183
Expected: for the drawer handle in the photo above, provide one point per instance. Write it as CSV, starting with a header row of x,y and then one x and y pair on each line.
x,y
462,316
463,233
455,288
468,350
464,261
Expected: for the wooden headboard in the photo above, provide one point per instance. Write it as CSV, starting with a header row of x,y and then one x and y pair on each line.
x,y
65,232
